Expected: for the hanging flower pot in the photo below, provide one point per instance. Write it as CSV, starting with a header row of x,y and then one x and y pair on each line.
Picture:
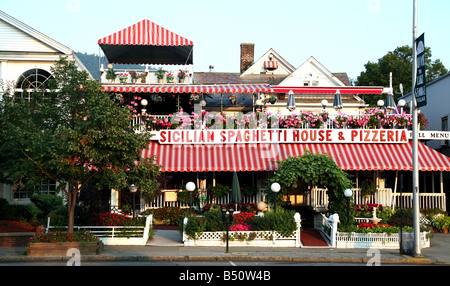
x,y
273,99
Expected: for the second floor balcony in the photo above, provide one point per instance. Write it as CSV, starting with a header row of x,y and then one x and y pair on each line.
x,y
144,76
372,119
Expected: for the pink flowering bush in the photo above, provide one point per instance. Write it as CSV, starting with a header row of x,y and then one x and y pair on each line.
x,y
240,227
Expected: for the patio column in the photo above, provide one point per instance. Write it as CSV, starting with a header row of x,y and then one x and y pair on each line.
x,y
114,200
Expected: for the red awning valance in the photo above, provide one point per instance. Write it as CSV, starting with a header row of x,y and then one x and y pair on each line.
x,y
265,157
328,90
184,88
271,65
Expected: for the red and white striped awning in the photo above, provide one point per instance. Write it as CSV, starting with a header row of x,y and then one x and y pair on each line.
x,y
184,88
145,33
328,90
146,43
265,157
271,65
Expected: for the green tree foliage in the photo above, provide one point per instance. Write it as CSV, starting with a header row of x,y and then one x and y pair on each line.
x,y
71,134
315,170
399,62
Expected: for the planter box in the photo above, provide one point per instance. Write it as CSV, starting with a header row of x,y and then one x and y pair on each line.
x,y
61,248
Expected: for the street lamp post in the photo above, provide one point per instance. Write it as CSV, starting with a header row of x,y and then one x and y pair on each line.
x,y
275,187
133,190
227,221
190,187
348,193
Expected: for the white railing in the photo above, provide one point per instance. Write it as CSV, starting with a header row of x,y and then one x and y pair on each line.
x,y
385,197
252,121
116,235
160,202
427,200
145,77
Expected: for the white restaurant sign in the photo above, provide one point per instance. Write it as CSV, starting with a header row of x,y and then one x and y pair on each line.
x,y
244,136
251,136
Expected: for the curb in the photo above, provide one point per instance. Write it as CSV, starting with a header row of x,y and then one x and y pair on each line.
x,y
93,258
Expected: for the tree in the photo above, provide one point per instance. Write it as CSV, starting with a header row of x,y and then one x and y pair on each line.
x,y
399,62
71,134
315,170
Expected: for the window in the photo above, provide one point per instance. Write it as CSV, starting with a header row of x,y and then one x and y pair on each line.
x,y
32,80
20,191
444,127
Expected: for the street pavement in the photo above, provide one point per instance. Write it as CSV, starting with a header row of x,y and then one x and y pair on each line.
x,y
166,246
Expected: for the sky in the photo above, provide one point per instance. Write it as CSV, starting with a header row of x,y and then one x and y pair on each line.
x,y
343,35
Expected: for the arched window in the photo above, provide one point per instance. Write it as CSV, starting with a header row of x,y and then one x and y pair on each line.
x,y
30,81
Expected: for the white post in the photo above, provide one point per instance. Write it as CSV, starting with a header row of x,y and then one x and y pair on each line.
x,y
298,220
415,159
148,223
333,220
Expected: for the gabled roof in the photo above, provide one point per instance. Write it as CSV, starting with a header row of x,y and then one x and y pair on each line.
x,y
35,34
283,68
312,70
54,45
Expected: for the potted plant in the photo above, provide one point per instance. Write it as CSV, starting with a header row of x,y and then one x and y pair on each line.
x,y
123,77
442,223
160,75
134,76
170,77
368,189
111,75
273,99
181,76
143,76
233,98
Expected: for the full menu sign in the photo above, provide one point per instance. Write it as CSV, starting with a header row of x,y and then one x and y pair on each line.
x,y
420,89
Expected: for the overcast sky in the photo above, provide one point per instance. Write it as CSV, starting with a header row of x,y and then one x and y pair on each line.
x,y
342,35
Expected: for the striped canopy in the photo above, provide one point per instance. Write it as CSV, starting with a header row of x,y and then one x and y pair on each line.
x,y
266,157
147,43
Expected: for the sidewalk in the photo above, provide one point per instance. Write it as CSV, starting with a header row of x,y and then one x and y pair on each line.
x,y
164,248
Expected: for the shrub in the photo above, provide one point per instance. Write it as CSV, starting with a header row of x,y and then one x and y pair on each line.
x,y
195,226
168,215
281,221
240,227
243,217
213,221
109,219
46,202
58,236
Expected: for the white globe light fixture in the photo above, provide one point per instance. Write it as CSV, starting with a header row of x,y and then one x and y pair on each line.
x,y
275,187
324,103
348,193
190,187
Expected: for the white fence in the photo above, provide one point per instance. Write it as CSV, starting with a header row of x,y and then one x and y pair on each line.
x,y
328,227
385,197
246,238
160,201
116,235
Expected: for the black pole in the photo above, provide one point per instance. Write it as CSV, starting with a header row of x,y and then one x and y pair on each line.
x,y
348,210
275,203
400,185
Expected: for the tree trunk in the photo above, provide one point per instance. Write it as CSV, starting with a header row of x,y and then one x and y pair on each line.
x,y
71,203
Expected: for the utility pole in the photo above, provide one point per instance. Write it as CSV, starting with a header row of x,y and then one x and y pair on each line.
x,y
415,143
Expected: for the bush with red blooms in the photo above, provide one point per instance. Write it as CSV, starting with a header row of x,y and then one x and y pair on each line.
x,y
109,219
243,218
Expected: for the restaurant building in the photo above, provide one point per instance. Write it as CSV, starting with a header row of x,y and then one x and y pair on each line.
x,y
208,125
